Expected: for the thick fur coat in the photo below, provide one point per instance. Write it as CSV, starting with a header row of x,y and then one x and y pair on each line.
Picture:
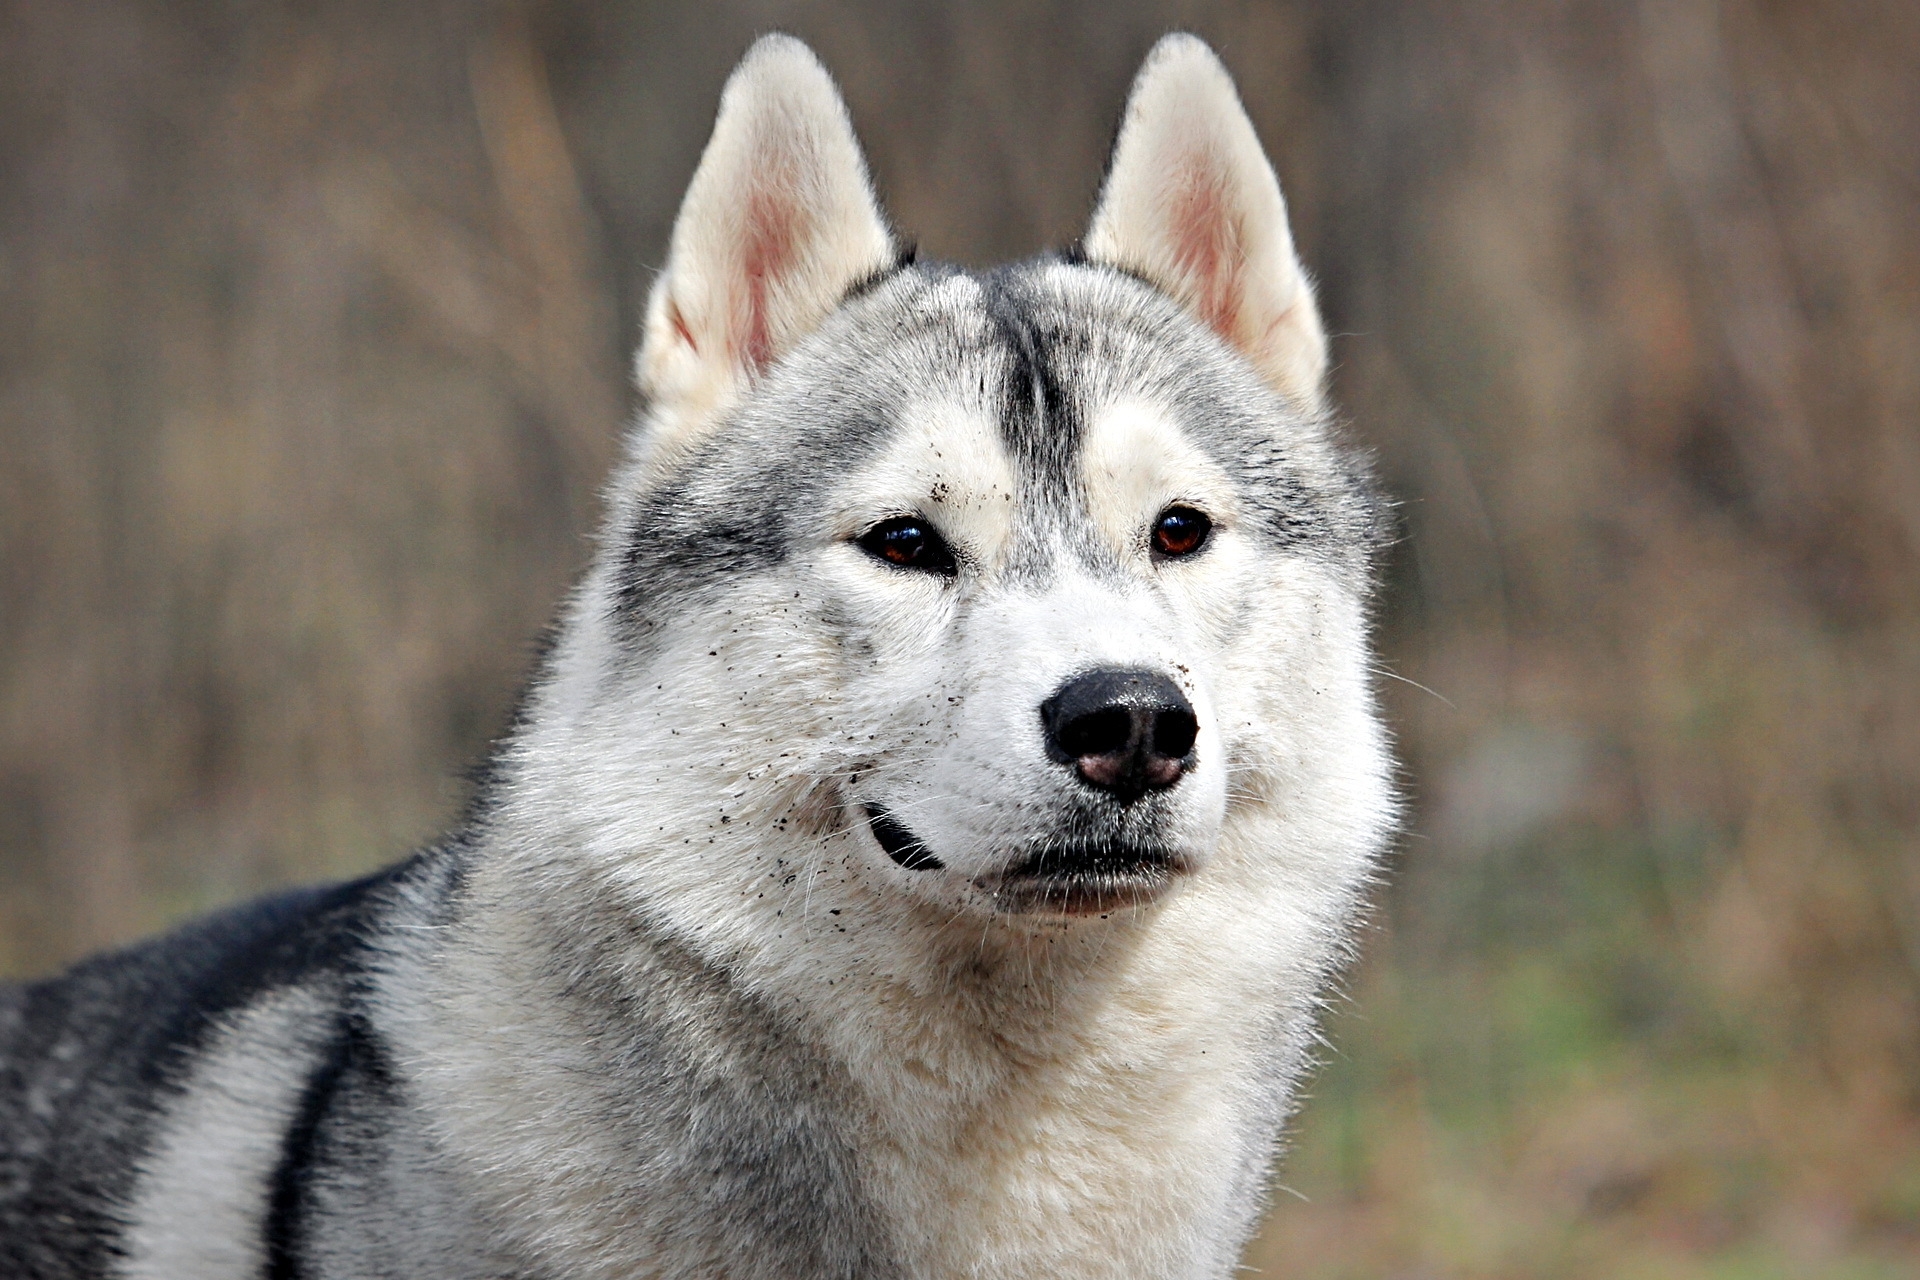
x,y
923,850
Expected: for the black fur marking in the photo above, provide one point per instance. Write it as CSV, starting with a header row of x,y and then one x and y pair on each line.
x,y
287,1198
1042,425
679,541
904,257
900,844
328,1142
87,1058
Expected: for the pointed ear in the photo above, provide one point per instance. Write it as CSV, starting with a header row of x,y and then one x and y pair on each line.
x,y
778,223
1191,204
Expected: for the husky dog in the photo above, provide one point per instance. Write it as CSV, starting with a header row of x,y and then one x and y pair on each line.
x,y
923,849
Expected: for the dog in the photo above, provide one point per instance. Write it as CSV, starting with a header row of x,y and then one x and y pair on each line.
x,y
923,850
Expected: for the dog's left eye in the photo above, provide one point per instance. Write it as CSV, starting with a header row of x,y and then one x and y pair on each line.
x,y
1180,531
909,542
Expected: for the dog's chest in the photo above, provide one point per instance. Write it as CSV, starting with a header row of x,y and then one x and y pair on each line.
x,y
1138,1156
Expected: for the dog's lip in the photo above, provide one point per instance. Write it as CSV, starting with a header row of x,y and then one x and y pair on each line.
x,y
900,844
1096,880
1094,861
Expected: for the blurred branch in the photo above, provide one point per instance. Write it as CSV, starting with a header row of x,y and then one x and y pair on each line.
x,y
552,235
1736,238
529,298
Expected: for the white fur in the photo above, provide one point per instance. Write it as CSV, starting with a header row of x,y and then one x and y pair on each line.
x,y
1038,1096
665,1007
201,1197
1192,204
1047,1099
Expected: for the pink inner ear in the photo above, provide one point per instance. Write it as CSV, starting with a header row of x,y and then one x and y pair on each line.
x,y
772,233
1207,244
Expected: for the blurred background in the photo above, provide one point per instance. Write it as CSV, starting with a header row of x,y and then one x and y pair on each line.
x,y
314,325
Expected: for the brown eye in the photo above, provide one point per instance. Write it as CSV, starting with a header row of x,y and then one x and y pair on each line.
x,y
1180,531
910,543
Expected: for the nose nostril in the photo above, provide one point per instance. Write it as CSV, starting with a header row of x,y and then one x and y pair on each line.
x,y
1097,733
1173,733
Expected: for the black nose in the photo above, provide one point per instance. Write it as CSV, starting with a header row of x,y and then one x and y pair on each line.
x,y
1128,732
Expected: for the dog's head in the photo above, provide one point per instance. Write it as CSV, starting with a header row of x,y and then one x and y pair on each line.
x,y
1037,581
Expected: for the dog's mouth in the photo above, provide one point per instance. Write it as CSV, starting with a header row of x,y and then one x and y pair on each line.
x,y
1086,879
1067,879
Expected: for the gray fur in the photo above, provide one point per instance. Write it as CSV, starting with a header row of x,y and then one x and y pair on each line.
x,y
663,1006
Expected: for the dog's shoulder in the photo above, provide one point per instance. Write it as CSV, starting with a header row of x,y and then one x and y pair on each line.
x,y
89,1058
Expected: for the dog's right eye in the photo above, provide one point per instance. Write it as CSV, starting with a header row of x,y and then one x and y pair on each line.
x,y
910,543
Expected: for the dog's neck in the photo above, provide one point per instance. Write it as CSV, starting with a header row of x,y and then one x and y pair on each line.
x,y
1091,1098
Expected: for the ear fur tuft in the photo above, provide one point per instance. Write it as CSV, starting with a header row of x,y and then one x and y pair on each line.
x,y
1191,204
778,223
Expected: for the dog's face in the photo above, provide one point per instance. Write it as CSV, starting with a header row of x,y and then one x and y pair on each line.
x,y
1032,580
1046,541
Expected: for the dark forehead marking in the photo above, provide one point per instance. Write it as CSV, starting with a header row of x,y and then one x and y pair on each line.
x,y
1040,421
1048,343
